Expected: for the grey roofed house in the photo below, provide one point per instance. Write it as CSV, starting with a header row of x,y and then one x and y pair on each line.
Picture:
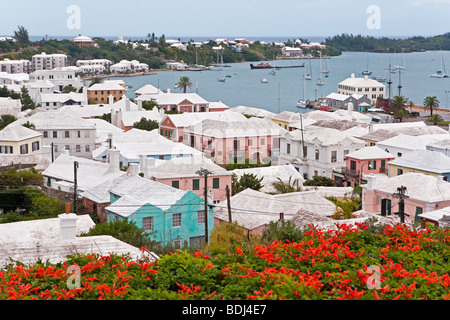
x,y
255,210
426,160
271,175
28,241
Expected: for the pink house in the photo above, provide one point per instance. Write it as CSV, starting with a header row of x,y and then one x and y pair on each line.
x,y
424,193
360,163
226,142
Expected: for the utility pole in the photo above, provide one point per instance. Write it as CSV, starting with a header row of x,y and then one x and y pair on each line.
x,y
75,185
401,194
228,204
205,173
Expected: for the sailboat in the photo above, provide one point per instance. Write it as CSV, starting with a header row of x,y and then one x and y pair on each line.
x,y
400,66
309,75
324,70
302,103
367,72
379,78
222,79
319,81
439,73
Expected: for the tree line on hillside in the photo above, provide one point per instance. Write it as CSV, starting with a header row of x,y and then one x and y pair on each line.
x,y
350,42
158,50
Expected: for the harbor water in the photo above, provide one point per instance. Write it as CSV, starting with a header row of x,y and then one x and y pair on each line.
x,y
281,92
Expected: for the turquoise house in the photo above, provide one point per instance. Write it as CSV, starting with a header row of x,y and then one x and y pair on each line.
x,y
173,216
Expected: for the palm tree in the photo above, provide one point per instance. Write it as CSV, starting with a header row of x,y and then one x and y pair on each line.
x,y
95,81
399,103
6,119
429,103
286,187
183,83
29,125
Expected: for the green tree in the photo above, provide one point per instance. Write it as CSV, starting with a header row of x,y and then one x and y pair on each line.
x,y
183,83
398,104
123,230
22,37
95,81
430,103
149,105
29,125
6,119
286,187
25,99
247,180
145,124
435,119
320,181
68,89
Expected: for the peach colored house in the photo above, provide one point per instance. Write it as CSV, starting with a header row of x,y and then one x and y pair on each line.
x,y
226,142
182,173
360,163
425,193
172,125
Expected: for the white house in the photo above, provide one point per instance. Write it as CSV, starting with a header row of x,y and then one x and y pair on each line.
x,y
60,77
60,174
10,106
53,101
64,131
317,150
369,88
15,66
45,61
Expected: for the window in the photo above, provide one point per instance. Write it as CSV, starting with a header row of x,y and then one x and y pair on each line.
x,y
316,173
346,152
176,184
67,147
196,184
87,148
399,171
176,220
79,133
215,183
288,148
66,134
372,165
147,223
317,154
419,210
45,134
333,156
201,217
24,149
77,148
6,149
399,154
177,243
35,146
55,134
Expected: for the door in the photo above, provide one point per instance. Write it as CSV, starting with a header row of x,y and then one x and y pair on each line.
x,y
385,207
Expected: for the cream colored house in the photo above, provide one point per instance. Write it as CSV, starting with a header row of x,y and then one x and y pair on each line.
x,y
19,140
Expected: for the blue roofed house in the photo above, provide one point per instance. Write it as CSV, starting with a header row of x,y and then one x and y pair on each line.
x,y
173,216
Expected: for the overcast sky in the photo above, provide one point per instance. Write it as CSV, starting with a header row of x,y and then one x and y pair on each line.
x,y
239,18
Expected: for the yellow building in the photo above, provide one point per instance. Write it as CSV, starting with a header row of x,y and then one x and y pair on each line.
x,y
286,118
19,140
427,162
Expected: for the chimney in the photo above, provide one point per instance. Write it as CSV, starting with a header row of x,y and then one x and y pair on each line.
x,y
134,169
139,103
110,141
149,165
111,100
114,158
68,226
141,163
370,181
127,103
350,109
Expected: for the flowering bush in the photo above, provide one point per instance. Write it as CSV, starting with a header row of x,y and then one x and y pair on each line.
x,y
334,264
